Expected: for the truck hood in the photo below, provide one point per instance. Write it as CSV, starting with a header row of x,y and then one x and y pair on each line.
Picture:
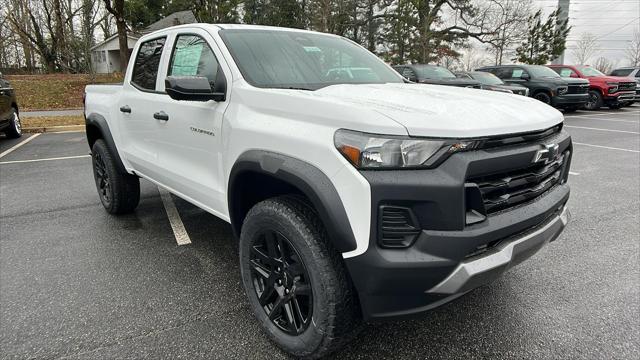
x,y
618,79
433,110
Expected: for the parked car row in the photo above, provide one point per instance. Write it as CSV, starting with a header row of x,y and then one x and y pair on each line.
x,y
565,87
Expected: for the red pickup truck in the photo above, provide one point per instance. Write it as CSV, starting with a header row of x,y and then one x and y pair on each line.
x,y
611,91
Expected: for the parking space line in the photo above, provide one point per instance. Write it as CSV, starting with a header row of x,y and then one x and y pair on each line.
x,y
45,159
573,173
580,117
10,150
606,147
605,113
599,129
182,237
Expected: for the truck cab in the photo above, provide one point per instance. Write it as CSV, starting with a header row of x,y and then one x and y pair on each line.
x,y
611,91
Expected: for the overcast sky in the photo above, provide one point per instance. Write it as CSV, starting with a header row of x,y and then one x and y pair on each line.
x,y
613,22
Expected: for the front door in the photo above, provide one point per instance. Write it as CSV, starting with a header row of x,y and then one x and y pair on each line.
x,y
189,142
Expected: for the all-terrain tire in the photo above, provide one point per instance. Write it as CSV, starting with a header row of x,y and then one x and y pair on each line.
x,y
335,317
595,100
119,192
543,97
14,130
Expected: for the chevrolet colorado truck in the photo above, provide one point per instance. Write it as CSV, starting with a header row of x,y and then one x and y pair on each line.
x,y
353,199
545,85
611,91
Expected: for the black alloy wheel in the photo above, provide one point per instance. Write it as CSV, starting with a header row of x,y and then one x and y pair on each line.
x,y
281,282
102,180
594,102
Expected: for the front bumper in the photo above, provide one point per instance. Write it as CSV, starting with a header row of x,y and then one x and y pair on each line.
x,y
476,272
570,100
621,97
444,262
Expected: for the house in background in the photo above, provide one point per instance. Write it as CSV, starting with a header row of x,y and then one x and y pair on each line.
x,y
105,56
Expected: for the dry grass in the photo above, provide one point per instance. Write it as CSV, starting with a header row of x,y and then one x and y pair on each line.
x,y
55,91
48,121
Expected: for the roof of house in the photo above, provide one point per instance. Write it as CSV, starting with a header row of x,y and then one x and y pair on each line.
x,y
177,18
131,36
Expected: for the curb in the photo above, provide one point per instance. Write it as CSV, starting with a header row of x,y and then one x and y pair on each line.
x,y
50,129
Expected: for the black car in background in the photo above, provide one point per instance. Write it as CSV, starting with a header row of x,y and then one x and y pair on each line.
x,y
433,74
492,82
9,119
545,85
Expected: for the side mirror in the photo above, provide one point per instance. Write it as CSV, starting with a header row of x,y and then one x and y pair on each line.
x,y
413,78
196,88
525,77
574,75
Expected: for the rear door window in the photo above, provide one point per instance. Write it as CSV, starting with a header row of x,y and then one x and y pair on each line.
x,y
147,62
192,56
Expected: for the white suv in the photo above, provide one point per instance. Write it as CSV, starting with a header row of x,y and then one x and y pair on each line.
x,y
355,197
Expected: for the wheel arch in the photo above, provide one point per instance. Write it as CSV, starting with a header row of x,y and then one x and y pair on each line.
x,y
97,128
258,175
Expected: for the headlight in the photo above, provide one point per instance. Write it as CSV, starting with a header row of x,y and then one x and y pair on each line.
x,y
562,90
613,86
370,151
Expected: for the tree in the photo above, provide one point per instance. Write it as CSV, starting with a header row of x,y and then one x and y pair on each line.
x,y
117,10
544,40
604,65
585,48
633,51
506,17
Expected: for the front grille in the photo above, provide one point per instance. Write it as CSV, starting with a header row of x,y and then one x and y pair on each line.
x,y
578,89
504,190
627,86
397,226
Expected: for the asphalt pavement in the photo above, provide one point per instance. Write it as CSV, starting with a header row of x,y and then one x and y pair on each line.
x,y
78,283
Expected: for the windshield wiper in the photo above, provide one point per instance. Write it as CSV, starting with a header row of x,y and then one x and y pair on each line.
x,y
293,88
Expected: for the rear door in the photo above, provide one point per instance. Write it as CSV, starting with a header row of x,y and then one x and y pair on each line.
x,y
137,105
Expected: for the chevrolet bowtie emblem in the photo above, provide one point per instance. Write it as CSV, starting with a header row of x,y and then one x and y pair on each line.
x,y
547,154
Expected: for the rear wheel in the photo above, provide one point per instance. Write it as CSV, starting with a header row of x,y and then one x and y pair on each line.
x,y
544,97
595,100
15,126
296,282
119,193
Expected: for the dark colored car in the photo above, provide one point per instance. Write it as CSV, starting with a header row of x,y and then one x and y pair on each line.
x,y
545,85
9,119
493,83
611,91
433,74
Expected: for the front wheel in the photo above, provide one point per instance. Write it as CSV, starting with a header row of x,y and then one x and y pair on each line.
x,y
544,97
595,100
119,193
15,126
296,282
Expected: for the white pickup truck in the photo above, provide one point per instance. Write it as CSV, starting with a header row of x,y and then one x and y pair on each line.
x,y
355,194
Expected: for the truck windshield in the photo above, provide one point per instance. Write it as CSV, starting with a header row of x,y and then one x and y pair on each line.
x,y
301,60
541,71
588,71
433,72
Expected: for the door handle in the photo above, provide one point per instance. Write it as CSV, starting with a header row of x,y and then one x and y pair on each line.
x,y
125,109
161,116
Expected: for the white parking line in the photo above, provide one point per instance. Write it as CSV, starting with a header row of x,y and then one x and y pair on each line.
x,y
45,159
573,173
606,113
9,151
606,147
182,237
599,129
580,117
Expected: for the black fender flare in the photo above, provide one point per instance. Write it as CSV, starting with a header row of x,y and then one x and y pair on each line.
x,y
307,178
97,128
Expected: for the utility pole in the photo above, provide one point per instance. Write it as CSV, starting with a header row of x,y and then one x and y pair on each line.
x,y
563,14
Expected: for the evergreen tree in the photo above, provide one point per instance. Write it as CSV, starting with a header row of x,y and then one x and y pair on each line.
x,y
545,40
